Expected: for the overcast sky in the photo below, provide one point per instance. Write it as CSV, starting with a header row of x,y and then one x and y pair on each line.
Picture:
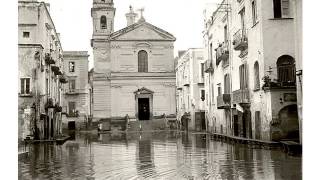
x,y
182,18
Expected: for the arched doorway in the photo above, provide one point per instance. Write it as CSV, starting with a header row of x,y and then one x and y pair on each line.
x,y
289,123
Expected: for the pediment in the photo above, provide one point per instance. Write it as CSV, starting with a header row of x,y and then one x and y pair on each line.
x,y
142,31
143,90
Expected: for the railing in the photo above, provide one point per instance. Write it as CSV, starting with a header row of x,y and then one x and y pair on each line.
x,y
72,91
222,53
240,40
241,96
48,59
223,101
208,67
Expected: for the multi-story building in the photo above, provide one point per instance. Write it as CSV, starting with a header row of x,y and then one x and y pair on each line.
x,y
77,93
134,74
254,65
191,98
41,79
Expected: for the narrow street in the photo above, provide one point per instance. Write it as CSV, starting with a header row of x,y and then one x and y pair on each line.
x,y
155,155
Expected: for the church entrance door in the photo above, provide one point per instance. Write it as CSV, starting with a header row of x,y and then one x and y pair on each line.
x,y
143,108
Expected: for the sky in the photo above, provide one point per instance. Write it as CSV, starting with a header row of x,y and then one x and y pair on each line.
x,y
182,18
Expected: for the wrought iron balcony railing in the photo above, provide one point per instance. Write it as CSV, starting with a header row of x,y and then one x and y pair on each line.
x,y
222,53
224,101
208,67
240,40
241,96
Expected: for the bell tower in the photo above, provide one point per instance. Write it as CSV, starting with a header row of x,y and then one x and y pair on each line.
x,y
102,14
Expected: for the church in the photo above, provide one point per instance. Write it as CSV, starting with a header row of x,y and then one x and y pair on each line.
x,y
134,78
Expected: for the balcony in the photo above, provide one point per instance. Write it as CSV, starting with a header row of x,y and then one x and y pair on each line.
x,y
222,53
240,40
208,68
63,79
72,91
223,101
48,59
241,96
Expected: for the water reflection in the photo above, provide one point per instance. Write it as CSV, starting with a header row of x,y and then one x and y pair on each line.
x,y
157,155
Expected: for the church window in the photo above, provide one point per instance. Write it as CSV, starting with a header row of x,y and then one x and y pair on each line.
x,y
103,22
142,61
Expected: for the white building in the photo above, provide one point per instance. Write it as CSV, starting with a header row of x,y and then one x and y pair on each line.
x,y
133,69
191,98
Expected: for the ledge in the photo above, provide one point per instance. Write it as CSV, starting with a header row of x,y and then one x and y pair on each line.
x,y
280,18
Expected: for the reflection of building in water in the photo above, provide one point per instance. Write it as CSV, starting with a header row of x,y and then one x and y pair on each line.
x,y
145,164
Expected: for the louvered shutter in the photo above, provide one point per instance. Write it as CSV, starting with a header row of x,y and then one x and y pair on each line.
x,y
285,5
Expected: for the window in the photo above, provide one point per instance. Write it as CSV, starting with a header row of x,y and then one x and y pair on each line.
x,y
242,17
72,108
254,11
142,61
286,69
210,51
243,72
219,90
47,86
225,34
71,66
203,95
25,86
72,85
26,34
103,22
281,8
227,84
256,76
202,70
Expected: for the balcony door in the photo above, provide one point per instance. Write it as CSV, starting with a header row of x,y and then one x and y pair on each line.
x,y
243,74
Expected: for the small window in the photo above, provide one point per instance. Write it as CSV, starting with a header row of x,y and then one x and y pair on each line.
x,y
72,108
72,85
71,66
286,69
254,12
25,85
225,34
103,22
203,95
26,34
202,70
219,90
256,76
281,8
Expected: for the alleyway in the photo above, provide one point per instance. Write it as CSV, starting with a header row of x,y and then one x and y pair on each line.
x,y
155,155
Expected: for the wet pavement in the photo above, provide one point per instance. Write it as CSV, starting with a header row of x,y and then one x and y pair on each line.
x,y
155,155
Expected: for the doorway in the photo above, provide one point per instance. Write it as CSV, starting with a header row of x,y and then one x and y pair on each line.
x,y
71,125
235,125
144,109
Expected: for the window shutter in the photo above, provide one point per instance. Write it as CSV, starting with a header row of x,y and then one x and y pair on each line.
x,y
285,8
22,86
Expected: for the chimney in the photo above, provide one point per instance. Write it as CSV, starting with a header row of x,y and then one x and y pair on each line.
x,y
131,16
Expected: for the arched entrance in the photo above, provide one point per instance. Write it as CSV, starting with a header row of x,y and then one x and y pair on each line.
x,y
144,104
289,123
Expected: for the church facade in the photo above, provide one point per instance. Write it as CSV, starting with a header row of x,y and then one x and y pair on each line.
x,y
134,77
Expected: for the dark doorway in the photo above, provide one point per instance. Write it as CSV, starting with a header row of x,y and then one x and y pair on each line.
x,y
71,125
235,125
257,125
144,108
200,121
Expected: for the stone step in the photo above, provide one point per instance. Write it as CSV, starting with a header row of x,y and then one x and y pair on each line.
x,y
147,125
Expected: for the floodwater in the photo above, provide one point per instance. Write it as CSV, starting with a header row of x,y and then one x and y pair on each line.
x,y
155,155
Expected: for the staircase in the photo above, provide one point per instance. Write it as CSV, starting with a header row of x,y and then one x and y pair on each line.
x,y
148,125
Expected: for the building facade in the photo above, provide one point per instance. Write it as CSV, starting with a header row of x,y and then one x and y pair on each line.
x,y
133,69
191,98
77,92
251,49
41,80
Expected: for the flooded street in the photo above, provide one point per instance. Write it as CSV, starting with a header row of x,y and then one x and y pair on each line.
x,y
155,155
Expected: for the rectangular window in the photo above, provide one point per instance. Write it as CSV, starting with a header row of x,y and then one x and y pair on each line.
x,y
71,66
47,86
242,17
25,86
254,12
72,85
203,95
26,34
72,108
202,70
281,8
219,91
225,34
243,74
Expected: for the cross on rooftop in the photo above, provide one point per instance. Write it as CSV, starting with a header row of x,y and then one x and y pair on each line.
x,y
141,11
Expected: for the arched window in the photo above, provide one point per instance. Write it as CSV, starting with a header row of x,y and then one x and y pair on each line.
x,y
256,76
227,84
103,22
286,69
142,61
